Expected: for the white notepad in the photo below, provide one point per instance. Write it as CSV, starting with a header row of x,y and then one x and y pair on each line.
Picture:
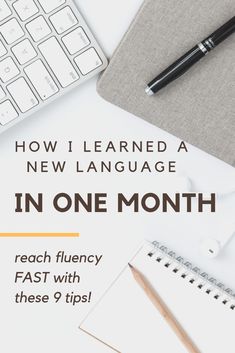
x,y
127,321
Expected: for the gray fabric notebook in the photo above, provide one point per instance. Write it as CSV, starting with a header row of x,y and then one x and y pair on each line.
x,y
199,107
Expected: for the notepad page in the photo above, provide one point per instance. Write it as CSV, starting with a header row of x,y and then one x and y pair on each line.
x,y
126,320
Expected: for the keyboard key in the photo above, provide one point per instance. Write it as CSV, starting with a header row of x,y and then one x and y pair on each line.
x,y
4,10
2,93
63,20
76,40
38,28
22,95
11,31
58,62
25,9
3,50
7,112
50,5
24,51
8,70
88,61
41,80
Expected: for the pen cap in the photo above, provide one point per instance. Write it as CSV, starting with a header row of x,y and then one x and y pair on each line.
x,y
223,32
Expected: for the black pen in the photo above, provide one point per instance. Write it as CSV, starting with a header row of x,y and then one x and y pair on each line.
x,y
183,64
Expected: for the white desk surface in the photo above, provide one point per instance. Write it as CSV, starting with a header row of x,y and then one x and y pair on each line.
x,y
83,115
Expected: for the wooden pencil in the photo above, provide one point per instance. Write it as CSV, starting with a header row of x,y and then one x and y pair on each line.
x,y
164,311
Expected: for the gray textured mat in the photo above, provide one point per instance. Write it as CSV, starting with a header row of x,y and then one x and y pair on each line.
x,y
200,106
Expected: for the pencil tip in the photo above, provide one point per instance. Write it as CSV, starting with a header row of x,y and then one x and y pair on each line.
x,y
131,267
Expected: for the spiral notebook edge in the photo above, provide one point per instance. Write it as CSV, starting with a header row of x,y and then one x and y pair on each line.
x,y
196,271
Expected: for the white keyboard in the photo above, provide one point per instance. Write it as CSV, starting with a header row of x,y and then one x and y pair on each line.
x,y
46,49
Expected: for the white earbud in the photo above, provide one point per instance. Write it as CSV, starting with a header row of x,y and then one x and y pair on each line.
x,y
210,247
